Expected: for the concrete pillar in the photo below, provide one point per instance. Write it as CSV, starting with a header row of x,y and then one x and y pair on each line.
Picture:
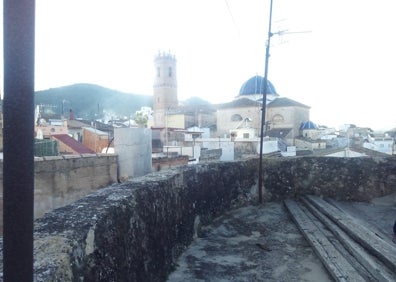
x,y
133,147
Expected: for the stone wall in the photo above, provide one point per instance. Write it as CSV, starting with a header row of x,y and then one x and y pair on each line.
x,y
134,231
208,155
164,163
245,148
354,179
225,144
59,181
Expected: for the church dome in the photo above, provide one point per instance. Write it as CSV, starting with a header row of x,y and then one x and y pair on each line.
x,y
308,125
255,85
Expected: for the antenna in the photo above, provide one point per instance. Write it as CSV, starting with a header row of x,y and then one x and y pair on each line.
x,y
281,31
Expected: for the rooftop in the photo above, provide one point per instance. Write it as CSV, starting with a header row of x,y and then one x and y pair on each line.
x,y
285,102
239,103
278,132
263,243
72,143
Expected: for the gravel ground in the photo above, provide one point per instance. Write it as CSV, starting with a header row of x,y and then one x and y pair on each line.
x,y
255,243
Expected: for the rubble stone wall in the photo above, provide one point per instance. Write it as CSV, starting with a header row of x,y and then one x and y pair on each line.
x,y
350,179
134,231
164,163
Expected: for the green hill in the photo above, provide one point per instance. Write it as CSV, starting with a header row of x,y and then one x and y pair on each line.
x,y
89,101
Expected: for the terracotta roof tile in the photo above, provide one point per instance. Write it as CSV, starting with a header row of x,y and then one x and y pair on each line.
x,y
72,143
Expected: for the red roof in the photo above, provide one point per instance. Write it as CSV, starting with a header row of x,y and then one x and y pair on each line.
x,y
73,144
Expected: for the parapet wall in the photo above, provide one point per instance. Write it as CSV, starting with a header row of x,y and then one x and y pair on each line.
x,y
59,181
350,179
164,163
134,231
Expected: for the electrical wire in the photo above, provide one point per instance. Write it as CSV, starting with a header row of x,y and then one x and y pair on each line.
x,y
232,17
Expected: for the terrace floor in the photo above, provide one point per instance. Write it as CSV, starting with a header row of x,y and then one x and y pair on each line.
x,y
263,243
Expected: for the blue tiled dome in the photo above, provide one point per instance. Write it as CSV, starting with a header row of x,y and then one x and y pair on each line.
x,y
308,125
255,85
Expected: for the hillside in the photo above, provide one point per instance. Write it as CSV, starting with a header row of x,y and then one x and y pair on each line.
x,y
90,100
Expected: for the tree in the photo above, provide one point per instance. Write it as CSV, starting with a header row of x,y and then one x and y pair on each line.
x,y
141,119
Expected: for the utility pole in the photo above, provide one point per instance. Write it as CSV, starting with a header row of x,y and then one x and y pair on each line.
x,y
264,104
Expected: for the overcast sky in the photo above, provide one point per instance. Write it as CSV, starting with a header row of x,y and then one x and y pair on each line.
x,y
336,56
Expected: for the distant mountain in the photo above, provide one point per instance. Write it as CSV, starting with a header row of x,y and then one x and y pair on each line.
x,y
89,101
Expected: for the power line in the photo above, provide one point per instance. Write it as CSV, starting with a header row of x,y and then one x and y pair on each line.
x,y
232,17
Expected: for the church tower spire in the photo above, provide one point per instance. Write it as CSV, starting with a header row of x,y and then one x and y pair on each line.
x,y
164,88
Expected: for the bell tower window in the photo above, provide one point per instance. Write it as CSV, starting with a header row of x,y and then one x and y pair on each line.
x,y
158,72
170,72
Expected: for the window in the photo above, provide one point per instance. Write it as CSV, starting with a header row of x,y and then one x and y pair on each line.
x,y
170,71
158,72
277,119
236,117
